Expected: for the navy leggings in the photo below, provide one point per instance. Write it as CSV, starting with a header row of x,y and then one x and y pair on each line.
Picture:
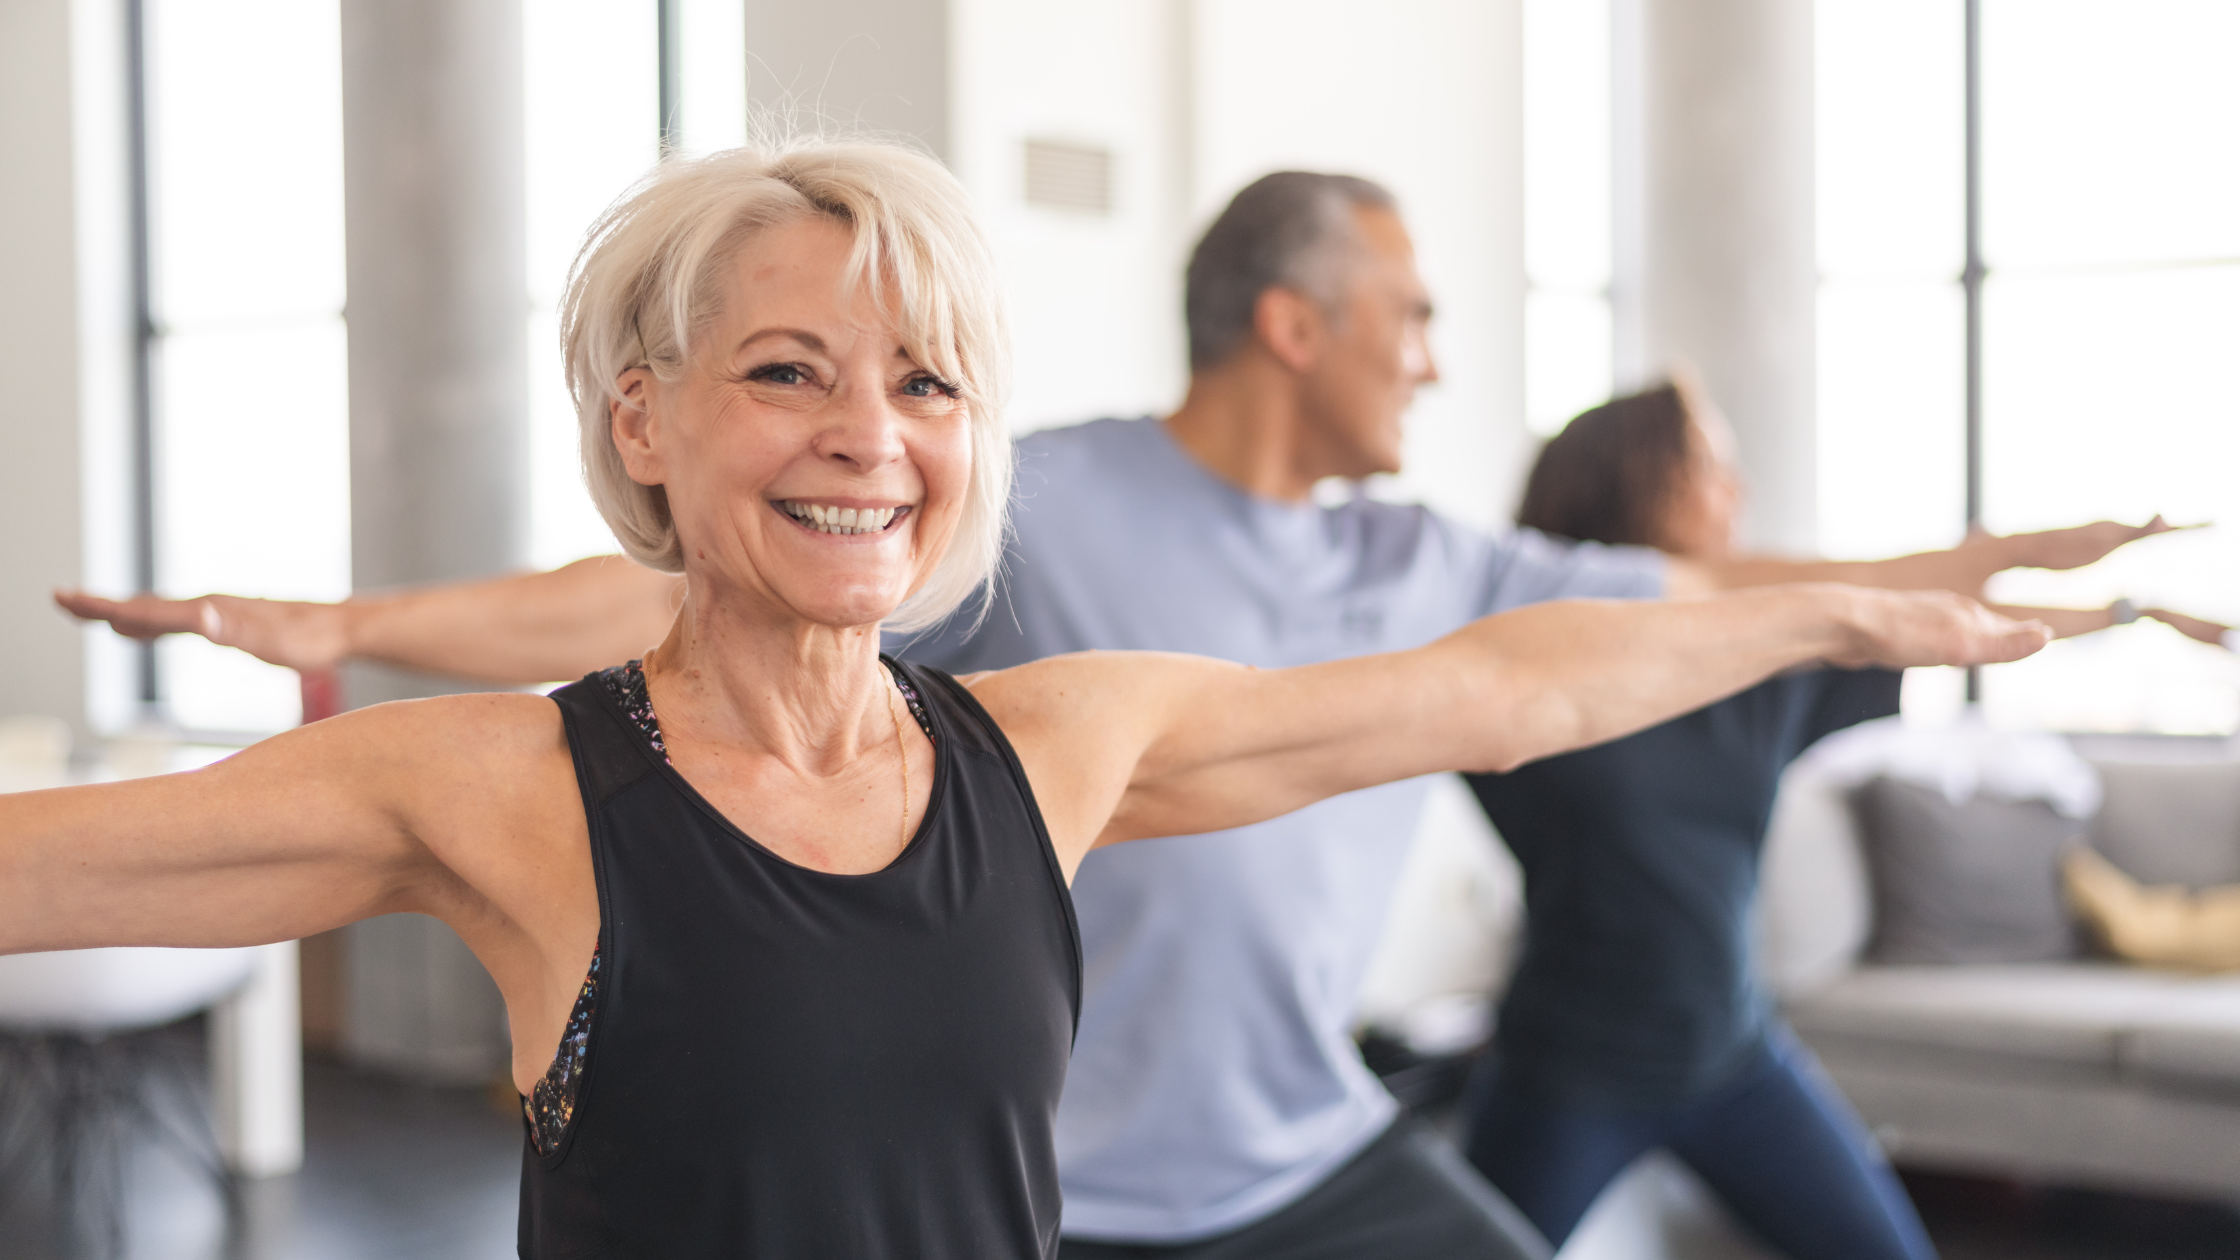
x,y
1779,1146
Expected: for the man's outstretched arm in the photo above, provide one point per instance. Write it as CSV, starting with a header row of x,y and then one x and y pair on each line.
x,y
528,628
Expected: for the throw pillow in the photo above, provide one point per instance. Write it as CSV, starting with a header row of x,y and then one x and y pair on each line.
x,y
1977,882
2169,925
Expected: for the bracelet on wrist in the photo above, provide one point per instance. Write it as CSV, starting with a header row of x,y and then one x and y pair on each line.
x,y
2231,640
2123,612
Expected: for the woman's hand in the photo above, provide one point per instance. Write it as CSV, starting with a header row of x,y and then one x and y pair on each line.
x,y
1901,629
2196,628
292,633
2076,546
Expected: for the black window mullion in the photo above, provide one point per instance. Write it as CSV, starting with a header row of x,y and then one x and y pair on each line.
x,y
144,333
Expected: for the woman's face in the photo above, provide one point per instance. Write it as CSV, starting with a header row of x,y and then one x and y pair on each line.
x,y
812,467
1706,498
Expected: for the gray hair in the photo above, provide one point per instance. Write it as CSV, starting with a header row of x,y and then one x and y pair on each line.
x,y
1291,230
653,272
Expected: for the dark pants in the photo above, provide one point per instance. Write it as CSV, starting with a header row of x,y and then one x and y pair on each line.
x,y
1779,1146
1407,1196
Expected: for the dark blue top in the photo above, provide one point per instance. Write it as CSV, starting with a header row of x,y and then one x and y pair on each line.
x,y
1637,986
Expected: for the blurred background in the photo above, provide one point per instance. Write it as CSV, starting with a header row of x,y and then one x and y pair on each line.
x,y
1942,261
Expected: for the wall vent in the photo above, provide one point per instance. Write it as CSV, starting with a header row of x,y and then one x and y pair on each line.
x,y
1063,176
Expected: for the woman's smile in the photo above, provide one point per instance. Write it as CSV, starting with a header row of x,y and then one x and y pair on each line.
x,y
853,518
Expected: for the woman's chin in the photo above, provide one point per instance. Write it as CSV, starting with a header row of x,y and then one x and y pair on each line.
x,y
848,610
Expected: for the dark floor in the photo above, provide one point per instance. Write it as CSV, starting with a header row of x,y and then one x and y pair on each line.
x,y
1979,1219
393,1171
399,1171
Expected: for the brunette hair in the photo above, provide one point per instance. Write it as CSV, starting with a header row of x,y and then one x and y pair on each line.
x,y
1609,475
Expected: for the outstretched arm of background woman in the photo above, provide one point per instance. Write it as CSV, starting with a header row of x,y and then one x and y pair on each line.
x,y
1963,569
528,628
1124,745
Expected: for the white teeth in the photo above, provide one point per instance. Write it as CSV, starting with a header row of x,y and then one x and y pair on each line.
x,y
839,520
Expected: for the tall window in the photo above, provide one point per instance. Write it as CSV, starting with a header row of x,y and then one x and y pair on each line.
x,y
606,81
1567,204
592,76
246,353
247,347
2110,255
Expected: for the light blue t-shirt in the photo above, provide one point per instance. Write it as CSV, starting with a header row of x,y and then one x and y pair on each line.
x,y
1214,1080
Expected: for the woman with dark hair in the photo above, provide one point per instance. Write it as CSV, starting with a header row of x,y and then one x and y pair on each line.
x,y
1634,1020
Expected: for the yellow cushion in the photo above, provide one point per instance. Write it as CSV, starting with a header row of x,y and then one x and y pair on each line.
x,y
2165,925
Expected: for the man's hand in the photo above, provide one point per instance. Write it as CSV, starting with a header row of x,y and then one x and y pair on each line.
x,y
301,636
1899,629
2078,545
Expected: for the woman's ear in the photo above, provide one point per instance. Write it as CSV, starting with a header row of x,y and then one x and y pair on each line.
x,y
635,426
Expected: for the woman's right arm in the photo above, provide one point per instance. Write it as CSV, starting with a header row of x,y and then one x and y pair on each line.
x,y
527,628
327,824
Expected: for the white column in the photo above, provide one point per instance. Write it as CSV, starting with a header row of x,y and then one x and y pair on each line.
x,y
434,206
1715,248
256,1069
39,358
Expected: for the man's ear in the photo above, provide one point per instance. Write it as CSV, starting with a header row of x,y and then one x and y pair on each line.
x,y
1291,325
634,427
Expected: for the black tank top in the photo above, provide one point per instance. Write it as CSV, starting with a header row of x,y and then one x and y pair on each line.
x,y
784,1062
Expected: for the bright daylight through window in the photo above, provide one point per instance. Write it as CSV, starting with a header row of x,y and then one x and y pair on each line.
x,y
2111,243
249,415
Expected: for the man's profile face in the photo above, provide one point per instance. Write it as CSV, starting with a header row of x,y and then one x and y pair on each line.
x,y
1376,354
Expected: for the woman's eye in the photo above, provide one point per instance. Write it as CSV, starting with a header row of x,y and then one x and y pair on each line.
x,y
929,387
779,374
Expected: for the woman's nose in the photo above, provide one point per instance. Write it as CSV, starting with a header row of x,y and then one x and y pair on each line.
x,y
863,429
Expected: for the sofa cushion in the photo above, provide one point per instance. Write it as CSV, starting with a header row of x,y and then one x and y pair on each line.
x,y
1969,883
2188,1039
2069,1015
1814,912
2170,823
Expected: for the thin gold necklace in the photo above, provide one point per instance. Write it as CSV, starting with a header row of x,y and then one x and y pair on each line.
x,y
902,753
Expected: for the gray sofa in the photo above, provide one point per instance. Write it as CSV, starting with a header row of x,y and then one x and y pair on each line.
x,y
2087,1073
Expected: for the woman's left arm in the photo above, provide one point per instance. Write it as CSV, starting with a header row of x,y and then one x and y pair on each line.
x,y
1122,745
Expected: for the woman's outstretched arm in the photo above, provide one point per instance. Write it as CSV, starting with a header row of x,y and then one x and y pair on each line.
x,y
1127,745
404,807
528,628
1963,569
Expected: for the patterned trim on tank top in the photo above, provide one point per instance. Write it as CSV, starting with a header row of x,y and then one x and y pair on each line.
x,y
552,1103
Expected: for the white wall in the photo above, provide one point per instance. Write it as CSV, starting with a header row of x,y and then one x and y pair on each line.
x,y
1096,299
874,65
1196,98
1424,96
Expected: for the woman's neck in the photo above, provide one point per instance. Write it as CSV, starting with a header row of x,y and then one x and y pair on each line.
x,y
813,697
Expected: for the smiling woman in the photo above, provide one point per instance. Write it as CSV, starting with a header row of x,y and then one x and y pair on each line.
x,y
910,260
788,973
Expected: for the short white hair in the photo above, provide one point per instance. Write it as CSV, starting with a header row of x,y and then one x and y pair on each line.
x,y
652,275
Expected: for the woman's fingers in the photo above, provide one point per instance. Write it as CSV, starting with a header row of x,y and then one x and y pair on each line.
x,y
279,632
2080,545
2192,627
1910,628
140,617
